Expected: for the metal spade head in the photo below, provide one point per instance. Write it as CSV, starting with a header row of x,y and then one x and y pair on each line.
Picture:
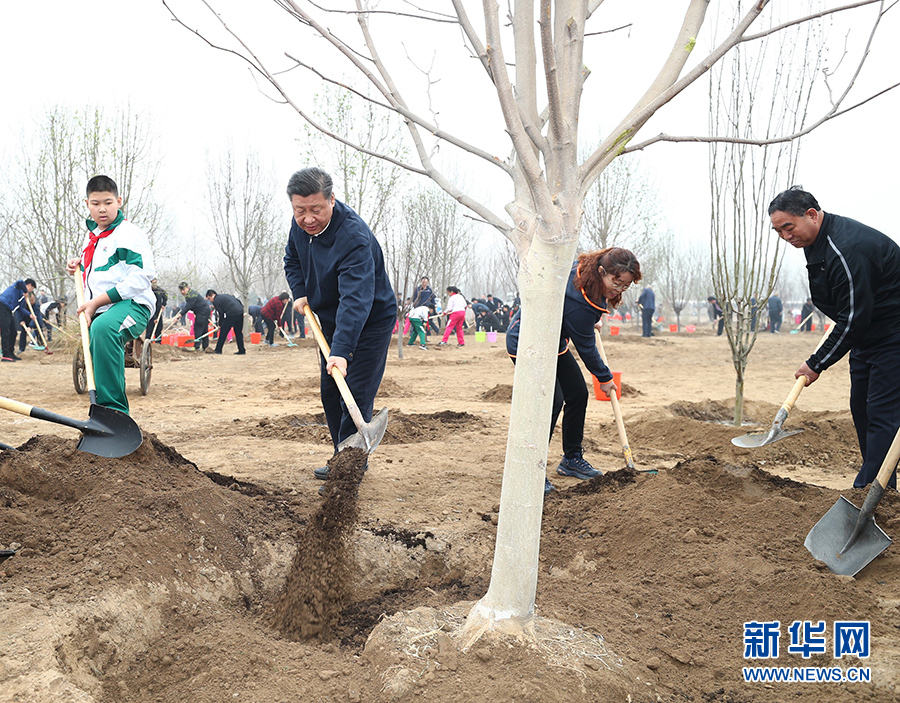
x,y
109,433
759,439
369,435
6,554
829,537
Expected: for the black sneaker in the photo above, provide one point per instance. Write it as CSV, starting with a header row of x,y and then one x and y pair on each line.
x,y
9,358
578,467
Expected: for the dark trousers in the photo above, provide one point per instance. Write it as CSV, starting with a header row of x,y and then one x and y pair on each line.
x,y
721,327
226,325
364,374
570,396
7,331
154,327
875,405
201,327
647,322
270,330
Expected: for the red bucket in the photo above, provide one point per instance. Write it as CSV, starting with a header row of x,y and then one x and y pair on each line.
x,y
600,395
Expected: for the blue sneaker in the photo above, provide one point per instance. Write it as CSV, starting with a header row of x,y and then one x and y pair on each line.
x,y
578,467
548,486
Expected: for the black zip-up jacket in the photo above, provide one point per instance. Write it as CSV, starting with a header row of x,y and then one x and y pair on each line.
x,y
341,273
228,307
854,278
579,317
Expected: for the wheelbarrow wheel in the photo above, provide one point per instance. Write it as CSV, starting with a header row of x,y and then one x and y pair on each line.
x,y
146,366
79,375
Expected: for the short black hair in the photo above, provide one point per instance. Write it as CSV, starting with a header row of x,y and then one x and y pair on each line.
x,y
453,289
183,284
794,201
101,184
210,292
309,181
30,282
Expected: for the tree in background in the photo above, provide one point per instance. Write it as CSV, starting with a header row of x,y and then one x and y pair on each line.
x,y
745,255
247,224
680,273
532,58
621,209
43,214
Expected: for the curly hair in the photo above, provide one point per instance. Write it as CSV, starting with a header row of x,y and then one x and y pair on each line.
x,y
615,261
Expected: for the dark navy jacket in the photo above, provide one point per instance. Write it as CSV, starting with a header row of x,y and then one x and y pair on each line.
x,y
579,317
854,278
341,273
12,296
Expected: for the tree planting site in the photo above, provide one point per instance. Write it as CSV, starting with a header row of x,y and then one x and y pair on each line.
x,y
206,566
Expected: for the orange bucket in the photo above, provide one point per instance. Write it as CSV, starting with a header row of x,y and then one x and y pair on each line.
x,y
673,328
613,331
255,337
600,395
182,339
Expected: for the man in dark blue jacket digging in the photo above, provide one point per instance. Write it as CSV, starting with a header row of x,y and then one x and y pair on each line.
x,y
334,264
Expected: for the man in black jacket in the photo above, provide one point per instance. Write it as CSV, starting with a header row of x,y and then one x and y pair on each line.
x,y
231,317
197,304
854,278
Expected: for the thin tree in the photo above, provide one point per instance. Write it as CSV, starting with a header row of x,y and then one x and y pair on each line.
x,y
533,58
247,224
682,268
745,256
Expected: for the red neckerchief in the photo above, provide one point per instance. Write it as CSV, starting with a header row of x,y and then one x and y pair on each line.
x,y
88,255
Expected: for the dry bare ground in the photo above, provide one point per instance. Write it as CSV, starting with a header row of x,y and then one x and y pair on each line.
x,y
157,577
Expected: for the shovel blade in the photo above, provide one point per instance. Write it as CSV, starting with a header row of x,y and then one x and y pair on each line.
x,y
369,435
829,535
109,433
760,439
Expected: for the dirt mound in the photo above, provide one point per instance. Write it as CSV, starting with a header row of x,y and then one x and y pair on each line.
x,y
501,393
305,428
681,560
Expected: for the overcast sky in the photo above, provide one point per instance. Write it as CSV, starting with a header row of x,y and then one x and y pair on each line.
x,y
109,51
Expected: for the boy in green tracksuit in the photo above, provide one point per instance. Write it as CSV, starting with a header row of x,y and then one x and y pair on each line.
x,y
118,268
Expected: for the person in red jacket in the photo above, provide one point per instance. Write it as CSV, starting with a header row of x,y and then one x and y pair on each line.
x,y
271,314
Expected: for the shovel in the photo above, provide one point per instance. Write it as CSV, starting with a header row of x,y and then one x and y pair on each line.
x,y
617,411
371,433
847,538
776,432
32,342
39,328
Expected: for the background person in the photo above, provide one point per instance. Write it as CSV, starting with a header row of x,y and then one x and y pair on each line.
x,y
197,304
231,319
456,317
271,315
647,303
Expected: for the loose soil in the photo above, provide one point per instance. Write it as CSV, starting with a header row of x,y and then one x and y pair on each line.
x,y
206,567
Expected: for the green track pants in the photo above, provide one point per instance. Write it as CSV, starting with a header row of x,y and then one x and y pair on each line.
x,y
109,331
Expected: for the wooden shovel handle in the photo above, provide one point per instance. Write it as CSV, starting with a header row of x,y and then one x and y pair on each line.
x,y
801,382
15,406
338,377
85,338
890,462
617,411
40,331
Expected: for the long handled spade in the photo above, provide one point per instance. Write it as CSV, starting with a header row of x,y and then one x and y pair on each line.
x,y
776,432
32,342
39,328
371,433
617,411
847,538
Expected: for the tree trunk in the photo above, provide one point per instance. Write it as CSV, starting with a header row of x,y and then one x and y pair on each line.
x,y
509,603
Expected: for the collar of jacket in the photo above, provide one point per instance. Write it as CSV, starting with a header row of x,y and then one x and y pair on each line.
x,y
327,236
120,218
